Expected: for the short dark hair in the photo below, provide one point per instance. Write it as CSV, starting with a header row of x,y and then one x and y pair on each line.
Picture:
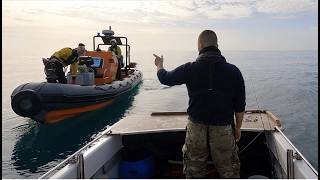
x,y
208,38
81,44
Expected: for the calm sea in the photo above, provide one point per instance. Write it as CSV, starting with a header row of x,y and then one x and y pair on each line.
x,y
284,82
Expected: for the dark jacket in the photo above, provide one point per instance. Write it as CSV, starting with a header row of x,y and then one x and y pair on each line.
x,y
216,88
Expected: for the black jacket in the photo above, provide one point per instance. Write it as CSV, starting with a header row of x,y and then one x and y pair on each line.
x,y
216,88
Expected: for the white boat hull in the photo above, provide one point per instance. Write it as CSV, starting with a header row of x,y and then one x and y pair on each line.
x,y
101,158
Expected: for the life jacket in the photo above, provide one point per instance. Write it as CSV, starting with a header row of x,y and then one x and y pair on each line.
x,y
68,56
116,50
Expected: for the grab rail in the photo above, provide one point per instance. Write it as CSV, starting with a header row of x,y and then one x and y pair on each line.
x,y
297,151
80,168
290,169
74,155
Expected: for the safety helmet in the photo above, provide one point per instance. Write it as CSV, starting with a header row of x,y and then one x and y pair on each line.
x,y
113,40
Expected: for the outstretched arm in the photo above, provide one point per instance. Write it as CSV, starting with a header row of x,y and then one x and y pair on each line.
x,y
177,76
158,62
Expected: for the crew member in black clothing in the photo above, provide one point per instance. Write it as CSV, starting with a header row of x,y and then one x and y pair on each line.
x,y
216,92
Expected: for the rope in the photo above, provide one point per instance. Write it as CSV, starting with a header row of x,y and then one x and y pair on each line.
x,y
264,130
250,143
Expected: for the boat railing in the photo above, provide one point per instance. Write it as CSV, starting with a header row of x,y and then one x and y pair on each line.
x,y
75,156
297,155
80,169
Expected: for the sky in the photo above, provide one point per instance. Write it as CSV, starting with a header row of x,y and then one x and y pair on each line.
x,y
162,24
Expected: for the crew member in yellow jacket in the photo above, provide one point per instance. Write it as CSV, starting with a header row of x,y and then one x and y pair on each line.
x,y
117,50
60,59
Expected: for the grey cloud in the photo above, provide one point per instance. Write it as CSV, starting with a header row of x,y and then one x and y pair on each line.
x,y
171,12
286,7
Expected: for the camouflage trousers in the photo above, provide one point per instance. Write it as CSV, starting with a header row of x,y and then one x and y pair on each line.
x,y
219,140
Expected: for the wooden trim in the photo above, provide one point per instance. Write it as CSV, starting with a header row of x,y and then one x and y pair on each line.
x,y
168,113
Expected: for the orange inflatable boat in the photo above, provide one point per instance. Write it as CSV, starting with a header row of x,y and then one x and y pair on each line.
x,y
94,88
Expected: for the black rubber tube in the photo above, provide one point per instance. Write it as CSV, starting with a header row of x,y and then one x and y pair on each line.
x,y
26,103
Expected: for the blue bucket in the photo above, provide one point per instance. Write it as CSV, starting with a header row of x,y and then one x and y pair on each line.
x,y
139,169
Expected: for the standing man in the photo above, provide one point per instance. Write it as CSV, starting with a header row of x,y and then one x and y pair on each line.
x,y
216,93
60,59
117,50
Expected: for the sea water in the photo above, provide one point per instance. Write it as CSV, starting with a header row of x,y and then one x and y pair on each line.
x,y
284,82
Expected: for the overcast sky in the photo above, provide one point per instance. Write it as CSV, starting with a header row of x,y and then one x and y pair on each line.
x,y
164,24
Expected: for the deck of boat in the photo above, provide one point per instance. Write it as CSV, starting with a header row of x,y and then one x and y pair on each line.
x,y
254,120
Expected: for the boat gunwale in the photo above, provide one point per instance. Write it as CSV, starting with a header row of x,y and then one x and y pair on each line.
x,y
102,97
175,130
70,158
124,128
297,151
111,94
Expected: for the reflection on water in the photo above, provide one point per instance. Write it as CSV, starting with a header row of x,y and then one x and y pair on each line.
x,y
40,144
